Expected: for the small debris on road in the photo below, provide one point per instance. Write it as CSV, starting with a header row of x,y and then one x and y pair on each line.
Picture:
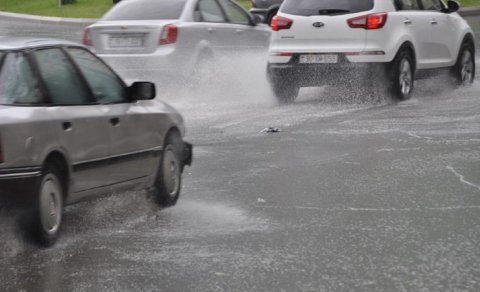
x,y
271,130
260,200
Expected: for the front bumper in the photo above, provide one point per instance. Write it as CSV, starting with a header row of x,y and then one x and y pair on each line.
x,y
18,186
188,154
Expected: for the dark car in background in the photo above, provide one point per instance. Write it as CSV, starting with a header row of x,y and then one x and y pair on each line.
x,y
266,8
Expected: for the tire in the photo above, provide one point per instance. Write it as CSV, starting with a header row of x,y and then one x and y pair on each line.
x,y
285,92
463,71
402,76
167,186
48,207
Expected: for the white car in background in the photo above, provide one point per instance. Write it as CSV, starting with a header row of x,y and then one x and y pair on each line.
x,y
169,38
382,43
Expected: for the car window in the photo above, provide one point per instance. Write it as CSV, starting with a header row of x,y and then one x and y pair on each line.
x,y
407,5
146,10
18,84
235,14
325,7
63,82
432,5
106,86
209,11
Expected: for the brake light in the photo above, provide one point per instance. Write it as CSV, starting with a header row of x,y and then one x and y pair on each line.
x,y
370,21
280,22
87,40
169,35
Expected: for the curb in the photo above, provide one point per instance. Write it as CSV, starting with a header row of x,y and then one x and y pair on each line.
x,y
467,11
48,19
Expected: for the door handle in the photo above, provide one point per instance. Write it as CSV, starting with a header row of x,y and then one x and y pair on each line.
x,y
434,22
114,121
407,21
67,126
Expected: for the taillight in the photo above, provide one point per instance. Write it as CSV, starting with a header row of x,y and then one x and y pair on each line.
x,y
371,21
280,22
169,34
87,40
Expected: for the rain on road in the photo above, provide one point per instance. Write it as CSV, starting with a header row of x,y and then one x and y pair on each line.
x,y
350,195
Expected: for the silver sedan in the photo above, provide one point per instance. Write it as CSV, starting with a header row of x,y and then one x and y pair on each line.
x,y
171,38
70,128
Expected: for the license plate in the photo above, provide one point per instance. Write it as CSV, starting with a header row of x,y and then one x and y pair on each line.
x,y
319,59
130,41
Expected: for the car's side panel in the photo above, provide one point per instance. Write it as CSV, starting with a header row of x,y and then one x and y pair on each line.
x,y
83,132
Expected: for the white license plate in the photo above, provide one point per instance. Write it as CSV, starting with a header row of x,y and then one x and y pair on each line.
x,y
319,59
126,41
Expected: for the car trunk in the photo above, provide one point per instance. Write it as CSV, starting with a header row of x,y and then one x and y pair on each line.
x,y
127,37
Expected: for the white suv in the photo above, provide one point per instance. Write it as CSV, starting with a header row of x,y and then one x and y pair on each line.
x,y
371,42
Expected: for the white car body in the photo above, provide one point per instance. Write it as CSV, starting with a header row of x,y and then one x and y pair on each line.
x,y
195,39
435,37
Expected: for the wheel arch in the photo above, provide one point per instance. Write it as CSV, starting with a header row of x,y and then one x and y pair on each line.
x,y
407,45
59,159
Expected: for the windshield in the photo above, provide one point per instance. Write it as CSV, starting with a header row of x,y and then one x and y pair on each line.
x,y
146,10
325,7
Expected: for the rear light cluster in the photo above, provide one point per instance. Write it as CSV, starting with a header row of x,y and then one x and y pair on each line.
x,y
370,21
280,22
87,40
169,35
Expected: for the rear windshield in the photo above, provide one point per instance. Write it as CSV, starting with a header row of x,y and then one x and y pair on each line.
x,y
146,10
325,7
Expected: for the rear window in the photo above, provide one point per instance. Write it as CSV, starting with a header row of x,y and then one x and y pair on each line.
x,y
325,7
146,10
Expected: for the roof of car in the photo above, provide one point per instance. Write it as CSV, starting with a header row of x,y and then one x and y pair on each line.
x,y
15,43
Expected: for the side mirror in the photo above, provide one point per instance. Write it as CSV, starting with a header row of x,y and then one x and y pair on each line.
x,y
453,6
141,91
256,19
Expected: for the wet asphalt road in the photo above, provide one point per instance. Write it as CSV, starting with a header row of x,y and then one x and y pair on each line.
x,y
351,195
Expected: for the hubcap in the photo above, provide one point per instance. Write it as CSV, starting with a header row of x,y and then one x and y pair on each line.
x,y
171,172
405,78
466,72
50,204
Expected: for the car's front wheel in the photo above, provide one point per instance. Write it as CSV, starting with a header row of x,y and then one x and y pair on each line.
x,y
402,71
166,189
48,208
464,69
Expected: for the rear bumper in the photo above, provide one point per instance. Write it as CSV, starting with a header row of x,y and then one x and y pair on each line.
x,y
323,74
18,186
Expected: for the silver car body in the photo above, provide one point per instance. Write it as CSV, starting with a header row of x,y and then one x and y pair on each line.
x,y
104,146
196,39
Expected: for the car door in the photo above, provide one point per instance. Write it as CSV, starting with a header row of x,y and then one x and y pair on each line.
x,y
242,33
438,31
133,144
211,18
410,18
80,124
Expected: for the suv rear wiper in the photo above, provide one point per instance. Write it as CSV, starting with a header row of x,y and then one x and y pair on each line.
x,y
332,11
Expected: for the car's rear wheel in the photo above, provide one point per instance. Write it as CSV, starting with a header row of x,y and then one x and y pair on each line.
x,y
166,189
464,69
48,208
285,91
402,76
